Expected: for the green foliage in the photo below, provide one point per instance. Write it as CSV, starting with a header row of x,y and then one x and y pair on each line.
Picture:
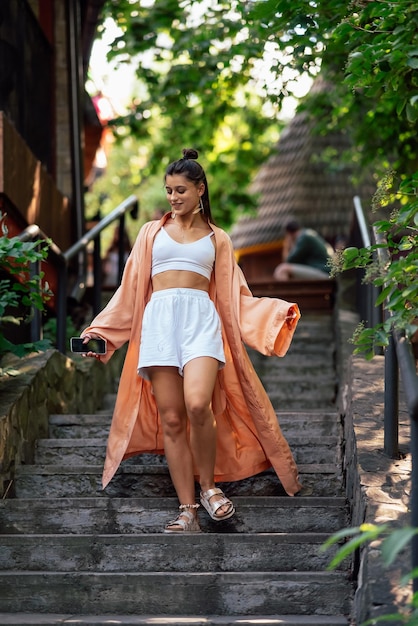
x,y
196,73
50,331
381,74
198,69
121,178
393,541
368,51
24,291
391,265
198,63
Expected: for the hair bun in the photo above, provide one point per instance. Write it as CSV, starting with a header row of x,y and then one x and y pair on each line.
x,y
190,153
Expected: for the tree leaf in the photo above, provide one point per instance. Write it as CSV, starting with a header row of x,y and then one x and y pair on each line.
x,y
395,543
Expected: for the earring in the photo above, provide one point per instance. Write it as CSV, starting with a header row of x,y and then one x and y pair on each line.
x,y
173,215
199,206
202,208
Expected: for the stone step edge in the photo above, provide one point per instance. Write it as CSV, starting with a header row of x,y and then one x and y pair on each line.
x,y
283,538
55,418
49,470
82,442
54,619
151,502
301,576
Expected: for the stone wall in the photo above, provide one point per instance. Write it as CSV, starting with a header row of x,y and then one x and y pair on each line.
x,y
37,386
382,491
378,487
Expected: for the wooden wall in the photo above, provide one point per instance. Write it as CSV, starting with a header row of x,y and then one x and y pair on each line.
x,y
29,191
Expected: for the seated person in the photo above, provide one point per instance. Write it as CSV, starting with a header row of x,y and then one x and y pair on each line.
x,y
306,255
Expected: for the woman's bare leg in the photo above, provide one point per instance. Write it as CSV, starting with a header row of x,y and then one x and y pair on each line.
x,y
167,386
199,382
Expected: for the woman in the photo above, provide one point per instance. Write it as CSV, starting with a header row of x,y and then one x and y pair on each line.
x,y
188,388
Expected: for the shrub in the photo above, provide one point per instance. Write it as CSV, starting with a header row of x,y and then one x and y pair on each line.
x,y
391,264
22,291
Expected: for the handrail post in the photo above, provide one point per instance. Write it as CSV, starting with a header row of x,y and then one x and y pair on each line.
x,y
35,323
121,247
414,499
391,401
97,272
407,366
62,308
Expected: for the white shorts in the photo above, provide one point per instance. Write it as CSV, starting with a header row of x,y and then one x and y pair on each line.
x,y
179,325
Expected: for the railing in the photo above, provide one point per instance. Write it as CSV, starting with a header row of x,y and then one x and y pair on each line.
x,y
62,260
32,233
398,358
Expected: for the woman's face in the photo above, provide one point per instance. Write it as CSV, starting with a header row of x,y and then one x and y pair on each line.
x,y
182,194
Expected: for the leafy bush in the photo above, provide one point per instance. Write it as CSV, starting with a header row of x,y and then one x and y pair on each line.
x,y
395,271
393,542
50,330
25,291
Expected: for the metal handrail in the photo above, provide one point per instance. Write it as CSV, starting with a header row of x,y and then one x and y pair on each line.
x,y
399,358
63,259
361,221
30,233
391,394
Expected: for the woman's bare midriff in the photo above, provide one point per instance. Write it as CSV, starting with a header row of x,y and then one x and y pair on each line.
x,y
181,279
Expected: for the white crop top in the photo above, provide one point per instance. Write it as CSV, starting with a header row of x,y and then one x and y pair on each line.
x,y
168,254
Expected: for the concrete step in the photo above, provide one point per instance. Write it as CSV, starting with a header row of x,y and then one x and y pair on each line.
x,y
73,553
322,398
37,619
309,358
310,344
153,593
301,389
306,403
280,377
52,481
149,515
79,426
158,552
306,450
91,426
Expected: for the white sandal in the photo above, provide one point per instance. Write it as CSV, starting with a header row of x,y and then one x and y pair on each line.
x,y
185,521
215,505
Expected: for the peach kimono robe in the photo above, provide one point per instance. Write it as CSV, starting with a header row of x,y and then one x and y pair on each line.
x,y
249,439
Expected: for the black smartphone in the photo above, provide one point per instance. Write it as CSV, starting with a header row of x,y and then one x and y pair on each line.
x,y
98,346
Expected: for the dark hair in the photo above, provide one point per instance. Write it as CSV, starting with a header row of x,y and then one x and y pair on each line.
x,y
188,166
292,226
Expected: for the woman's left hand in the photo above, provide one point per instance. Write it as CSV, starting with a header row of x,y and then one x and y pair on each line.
x,y
290,317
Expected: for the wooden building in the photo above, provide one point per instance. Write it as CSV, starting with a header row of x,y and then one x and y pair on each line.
x,y
49,130
304,179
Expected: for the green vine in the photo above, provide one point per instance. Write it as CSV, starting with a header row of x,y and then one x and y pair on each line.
x,y
391,264
393,541
21,291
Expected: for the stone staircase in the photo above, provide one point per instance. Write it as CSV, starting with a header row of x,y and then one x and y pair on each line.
x,y
71,553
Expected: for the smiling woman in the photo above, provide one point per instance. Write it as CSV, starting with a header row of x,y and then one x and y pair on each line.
x,y
188,388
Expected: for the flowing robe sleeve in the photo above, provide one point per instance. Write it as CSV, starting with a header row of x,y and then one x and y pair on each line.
x,y
261,324
120,322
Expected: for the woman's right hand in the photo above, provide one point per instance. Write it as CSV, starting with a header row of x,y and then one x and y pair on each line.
x,y
86,338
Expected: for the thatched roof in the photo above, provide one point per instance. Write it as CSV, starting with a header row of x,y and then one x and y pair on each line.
x,y
297,183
